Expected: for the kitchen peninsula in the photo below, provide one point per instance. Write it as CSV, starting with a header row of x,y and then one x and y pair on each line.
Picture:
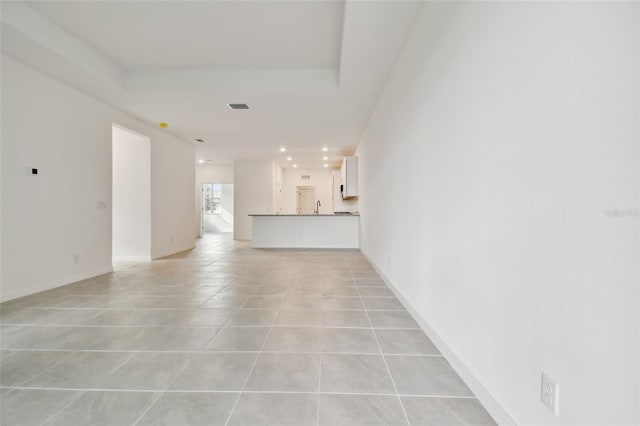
x,y
306,231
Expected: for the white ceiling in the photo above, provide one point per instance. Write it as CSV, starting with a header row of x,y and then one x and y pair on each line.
x,y
311,71
183,34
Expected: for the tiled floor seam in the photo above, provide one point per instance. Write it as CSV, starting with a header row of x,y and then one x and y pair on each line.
x,y
163,391
208,326
55,413
60,362
186,365
253,366
45,371
299,275
144,413
219,328
200,352
404,411
319,389
198,306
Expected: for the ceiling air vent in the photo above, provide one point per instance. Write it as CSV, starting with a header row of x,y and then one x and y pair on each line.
x,y
238,106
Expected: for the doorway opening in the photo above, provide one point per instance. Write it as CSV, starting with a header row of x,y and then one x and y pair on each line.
x,y
306,199
131,195
217,208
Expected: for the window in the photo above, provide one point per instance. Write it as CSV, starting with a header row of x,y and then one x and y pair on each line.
x,y
212,195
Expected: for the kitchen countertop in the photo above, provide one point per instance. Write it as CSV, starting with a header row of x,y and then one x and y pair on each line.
x,y
308,215
314,231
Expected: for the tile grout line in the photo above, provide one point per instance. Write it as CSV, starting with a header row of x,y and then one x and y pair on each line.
x,y
206,298
220,328
320,369
43,372
73,400
160,394
203,326
69,356
318,265
153,402
393,382
201,352
163,391
253,366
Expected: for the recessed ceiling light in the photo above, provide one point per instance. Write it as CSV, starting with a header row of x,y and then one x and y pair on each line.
x,y
200,140
325,149
200,161
283,149
325,158
238,106
289,158
326,165
295,166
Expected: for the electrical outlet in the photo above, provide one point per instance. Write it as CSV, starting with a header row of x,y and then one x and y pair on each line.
x,y
76,258
550,393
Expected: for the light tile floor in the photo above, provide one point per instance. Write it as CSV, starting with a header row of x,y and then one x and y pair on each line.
x,y
226,335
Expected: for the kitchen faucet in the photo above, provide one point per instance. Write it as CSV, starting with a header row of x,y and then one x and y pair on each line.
x,y
318,205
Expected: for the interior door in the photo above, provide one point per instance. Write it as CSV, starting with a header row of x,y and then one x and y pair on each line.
x,y
306,200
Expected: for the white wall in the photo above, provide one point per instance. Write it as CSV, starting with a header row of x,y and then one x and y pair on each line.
x,y
67,135
226,203
322,179
131,198
254,194
503,143
214,173
172,200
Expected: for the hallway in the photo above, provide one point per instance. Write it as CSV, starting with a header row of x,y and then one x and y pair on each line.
x,y
226,334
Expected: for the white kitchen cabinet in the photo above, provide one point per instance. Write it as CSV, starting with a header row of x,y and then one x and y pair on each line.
x,y
349,174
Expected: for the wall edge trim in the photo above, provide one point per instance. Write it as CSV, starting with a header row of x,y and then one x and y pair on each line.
x,y
171,252
38,288
132,258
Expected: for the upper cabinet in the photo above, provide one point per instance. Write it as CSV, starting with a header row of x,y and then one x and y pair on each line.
x,y
349,174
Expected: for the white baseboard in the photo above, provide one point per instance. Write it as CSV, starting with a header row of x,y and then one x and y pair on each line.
x,y
484,396
132,258
159,256
6,296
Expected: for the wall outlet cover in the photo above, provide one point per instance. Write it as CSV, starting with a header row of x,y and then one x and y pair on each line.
x,y
550,393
